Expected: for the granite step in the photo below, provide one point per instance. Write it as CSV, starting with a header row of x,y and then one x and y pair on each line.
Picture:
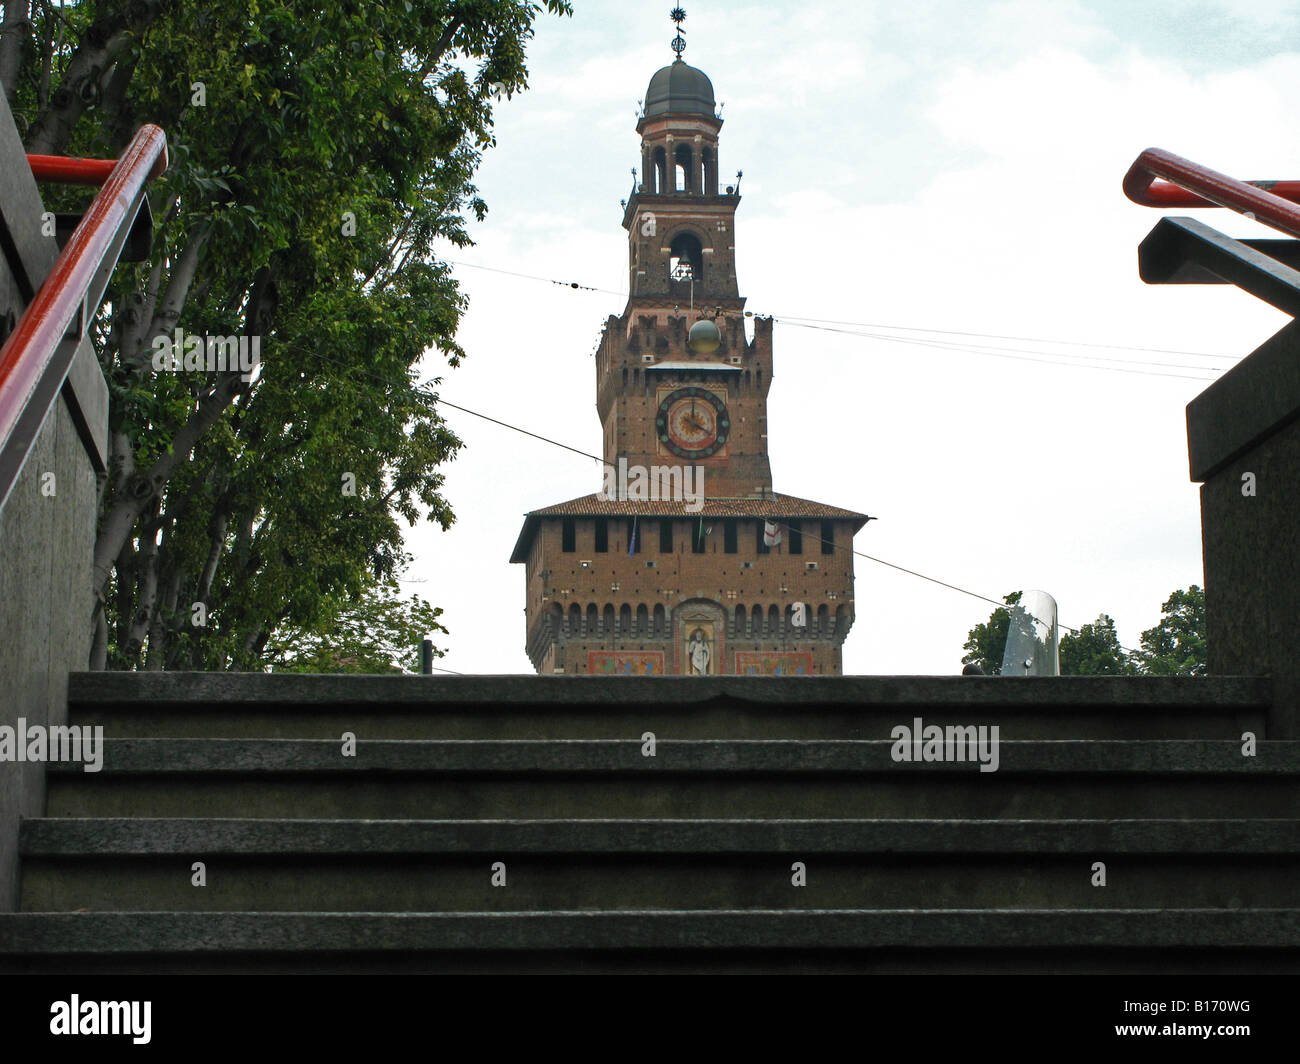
x,y
1186,940
495,779
293,706
393,865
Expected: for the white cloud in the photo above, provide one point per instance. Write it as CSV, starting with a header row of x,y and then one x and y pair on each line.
x,y
947,166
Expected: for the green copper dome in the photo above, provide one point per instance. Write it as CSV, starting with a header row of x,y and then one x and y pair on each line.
x,y
679,88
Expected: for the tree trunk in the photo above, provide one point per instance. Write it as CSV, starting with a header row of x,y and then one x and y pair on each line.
x,y
13,42
101,45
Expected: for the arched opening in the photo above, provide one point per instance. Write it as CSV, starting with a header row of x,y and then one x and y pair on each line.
x,y
738,621
823,619
642,620
773,619
592,619
709,168
625,620
683,169
685,263
575,619
607,619
659,179
661,620
756,621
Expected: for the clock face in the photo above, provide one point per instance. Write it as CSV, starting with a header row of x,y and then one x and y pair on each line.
x,y
692,423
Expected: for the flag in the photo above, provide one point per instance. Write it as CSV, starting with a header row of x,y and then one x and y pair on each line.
x,y
631,543
771,533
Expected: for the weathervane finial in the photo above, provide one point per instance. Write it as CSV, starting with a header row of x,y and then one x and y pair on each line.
x,y
678,15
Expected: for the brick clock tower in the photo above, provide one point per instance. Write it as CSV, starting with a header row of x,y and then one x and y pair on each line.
x,y
686,562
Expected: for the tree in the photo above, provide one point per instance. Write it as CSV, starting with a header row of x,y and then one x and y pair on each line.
x,y
318,152
1095,651
1176,646
381,632
987,643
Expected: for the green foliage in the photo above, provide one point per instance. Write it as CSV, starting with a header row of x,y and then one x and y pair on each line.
x,y
988,642
1095,651
378,633
313,114
1176,646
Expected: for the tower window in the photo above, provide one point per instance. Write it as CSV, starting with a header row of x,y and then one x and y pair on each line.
x,y
602,535
660,171
568,535
633,536
665,537
683,169
729,536
828,537
698,537
685,261
795,534
763,548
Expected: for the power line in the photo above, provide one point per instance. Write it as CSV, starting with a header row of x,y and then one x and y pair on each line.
x,y
733,512
996,336
536,277
992,352
797,321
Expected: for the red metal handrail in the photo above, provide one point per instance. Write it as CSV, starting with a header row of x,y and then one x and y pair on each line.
x,y
65,170
1189,184
28,351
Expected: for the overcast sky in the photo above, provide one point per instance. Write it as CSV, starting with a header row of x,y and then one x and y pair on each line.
x,y
933,165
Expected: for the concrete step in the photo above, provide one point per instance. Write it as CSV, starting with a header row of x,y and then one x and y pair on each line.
x,y
913,940
291,706
683,861
386,865
496,779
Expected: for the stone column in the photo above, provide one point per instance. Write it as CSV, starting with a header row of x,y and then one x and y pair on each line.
x,y
1243,437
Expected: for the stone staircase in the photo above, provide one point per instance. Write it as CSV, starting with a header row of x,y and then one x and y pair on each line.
x,y
613,860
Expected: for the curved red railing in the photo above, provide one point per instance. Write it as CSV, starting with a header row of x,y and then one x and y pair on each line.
x,y
1189,184
65,170
30,347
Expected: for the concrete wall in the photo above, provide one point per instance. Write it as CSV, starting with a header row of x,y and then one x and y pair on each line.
x,y
47,526
46,543
1248,422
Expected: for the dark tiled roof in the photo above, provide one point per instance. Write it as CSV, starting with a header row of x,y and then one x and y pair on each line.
x,y
771,507
679,88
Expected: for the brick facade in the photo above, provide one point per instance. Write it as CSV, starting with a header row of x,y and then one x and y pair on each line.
x,y
703,592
